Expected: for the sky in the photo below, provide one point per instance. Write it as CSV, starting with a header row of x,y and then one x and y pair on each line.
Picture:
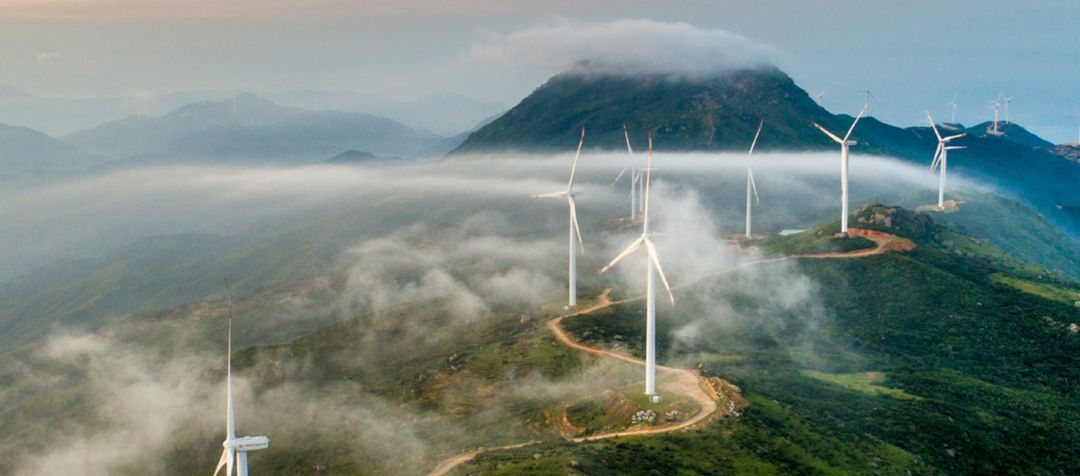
x,y
913,55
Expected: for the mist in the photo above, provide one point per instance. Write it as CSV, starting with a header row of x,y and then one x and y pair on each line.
x,y
439,248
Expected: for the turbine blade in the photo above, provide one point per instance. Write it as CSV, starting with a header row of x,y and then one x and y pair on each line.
x,y
617,177
659,270
626,252
753,186
947,139
756,135
550,195
573,219
221,462
932,125
852,128
937,158
573,170
626,133
830,134
648,180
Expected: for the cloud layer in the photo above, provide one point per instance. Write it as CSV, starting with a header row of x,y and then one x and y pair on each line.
x,y
623,47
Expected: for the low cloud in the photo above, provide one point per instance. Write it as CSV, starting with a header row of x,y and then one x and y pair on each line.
x,y
631,46
467,266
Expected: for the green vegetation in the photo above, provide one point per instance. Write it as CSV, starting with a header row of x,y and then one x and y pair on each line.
x,y
821,240
982,376
865,382
1053,293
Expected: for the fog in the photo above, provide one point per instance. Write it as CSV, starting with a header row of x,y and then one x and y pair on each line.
x,y
449,245
630,46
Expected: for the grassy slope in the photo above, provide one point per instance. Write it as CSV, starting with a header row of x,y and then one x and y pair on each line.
x,y
994,373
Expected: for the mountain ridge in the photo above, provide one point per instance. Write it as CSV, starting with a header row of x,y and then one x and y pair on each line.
x,y
721,113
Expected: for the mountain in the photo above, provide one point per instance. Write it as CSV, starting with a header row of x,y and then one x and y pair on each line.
x,y
358,157
721,112
250,127
444,112
716,113
27,150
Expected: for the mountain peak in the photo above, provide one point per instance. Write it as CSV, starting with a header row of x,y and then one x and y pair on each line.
x,y
716,112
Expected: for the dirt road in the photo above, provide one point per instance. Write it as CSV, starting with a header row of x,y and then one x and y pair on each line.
x,y
687,382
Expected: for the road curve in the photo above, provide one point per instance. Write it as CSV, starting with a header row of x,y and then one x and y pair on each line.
x,y
687,380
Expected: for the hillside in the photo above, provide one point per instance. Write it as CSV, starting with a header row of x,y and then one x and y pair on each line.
x,y
941,359
722,112
929,364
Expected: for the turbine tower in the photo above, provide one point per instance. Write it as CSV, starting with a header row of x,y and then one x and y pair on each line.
x,y
1007,101
844,144
750,185
955,107
574,229
635,176
941,158
236,449
650,293
996,106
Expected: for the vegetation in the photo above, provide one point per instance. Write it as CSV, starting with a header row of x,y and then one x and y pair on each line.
x,y
982,377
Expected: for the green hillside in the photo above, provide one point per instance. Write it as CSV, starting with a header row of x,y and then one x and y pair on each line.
x,y
928,364
721,113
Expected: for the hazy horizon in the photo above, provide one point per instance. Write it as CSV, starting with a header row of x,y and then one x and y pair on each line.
x,y
403,50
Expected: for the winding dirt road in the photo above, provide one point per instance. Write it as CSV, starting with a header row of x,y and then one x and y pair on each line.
x,y
687,382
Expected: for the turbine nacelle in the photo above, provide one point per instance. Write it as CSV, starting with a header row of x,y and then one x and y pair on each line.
x,y
249,443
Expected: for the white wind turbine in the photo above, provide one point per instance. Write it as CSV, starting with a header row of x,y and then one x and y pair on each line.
x,y
955,107
236,449
635,176
574,229
941,158
844,144
650,294
750,185
996,106
1007,100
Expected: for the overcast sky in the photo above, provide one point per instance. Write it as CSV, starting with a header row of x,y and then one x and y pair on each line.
x,y
912,55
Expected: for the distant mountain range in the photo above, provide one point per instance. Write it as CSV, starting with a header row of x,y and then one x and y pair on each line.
x,y
252,128
721,112
445,113
26,150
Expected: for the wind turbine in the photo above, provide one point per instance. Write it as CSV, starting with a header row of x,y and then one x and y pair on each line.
x,y
635,175
574,229
750,185
650,299
236,449
844,144
996,106
819,96
1007,101
941,158
954,106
